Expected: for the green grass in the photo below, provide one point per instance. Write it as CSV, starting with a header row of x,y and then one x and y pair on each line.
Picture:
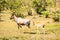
x,y
53,26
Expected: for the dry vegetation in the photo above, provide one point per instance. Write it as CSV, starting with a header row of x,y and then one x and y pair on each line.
x,y
9,30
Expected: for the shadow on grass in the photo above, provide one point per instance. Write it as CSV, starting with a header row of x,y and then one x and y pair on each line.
x,y
44,33
29,32
34,33
16,37
1,20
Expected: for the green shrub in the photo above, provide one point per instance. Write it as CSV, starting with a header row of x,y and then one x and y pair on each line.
x,y
20,15
39,5
18,12
10,4
2,5
56,17
45,13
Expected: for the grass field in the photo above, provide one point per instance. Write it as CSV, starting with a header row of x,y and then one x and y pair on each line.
x,y
9,30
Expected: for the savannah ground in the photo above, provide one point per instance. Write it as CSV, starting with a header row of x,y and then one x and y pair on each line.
x,y
9,29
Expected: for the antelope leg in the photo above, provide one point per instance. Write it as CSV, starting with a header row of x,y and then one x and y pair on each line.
x,y
19,26
28,24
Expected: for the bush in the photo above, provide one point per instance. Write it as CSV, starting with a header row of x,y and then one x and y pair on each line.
x,y
56,17
3,4
20,15
45,13
10,4
39,5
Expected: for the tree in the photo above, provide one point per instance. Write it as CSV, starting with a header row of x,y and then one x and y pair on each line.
x,y
3,4
39,5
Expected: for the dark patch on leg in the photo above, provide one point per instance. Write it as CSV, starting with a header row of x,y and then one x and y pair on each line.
x,y
43,26
19,25
28,24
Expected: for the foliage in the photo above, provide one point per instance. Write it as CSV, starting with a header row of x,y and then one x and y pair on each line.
x,y
49,2
39,5
18,13
14,4
56,17
45,13
3,5
10,4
